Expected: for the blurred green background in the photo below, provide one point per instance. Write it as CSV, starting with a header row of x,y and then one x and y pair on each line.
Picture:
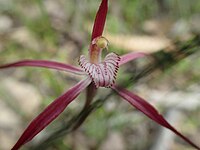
x,y
60,30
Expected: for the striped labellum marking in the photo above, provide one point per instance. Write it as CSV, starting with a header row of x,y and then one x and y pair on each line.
x,y
104,73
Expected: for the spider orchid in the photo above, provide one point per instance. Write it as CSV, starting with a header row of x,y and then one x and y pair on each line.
x,y
97,73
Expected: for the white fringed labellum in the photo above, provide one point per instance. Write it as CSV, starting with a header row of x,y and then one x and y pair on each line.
x,y
104,73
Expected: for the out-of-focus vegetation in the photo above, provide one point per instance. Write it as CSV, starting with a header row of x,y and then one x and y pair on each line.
x,y
60,30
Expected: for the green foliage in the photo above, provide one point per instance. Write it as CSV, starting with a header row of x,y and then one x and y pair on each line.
x,y
96,126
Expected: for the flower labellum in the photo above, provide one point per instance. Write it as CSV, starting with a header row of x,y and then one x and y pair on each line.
x,y
104,73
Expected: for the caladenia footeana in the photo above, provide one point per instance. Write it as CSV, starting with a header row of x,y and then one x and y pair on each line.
x,y
97,72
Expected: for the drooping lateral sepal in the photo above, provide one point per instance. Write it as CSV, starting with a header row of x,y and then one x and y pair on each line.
x,y
50,113
146,108
102,74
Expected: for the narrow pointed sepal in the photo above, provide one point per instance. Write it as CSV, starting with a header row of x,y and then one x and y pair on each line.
x,y
44,64
100,20
146,108
50,113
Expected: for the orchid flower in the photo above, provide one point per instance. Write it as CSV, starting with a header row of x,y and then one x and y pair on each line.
x,y
97,73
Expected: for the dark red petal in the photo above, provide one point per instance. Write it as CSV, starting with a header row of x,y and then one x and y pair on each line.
x,y
130,56
45,64
100,19
50,113
149,111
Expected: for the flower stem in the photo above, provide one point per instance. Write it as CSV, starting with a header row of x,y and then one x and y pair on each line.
x,y
91,92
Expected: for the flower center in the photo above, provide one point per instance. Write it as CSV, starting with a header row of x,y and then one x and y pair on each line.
x,y
96,47
102,74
